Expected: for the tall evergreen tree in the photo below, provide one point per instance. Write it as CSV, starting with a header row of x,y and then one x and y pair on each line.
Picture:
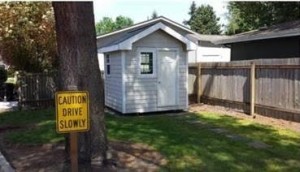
x,y
192,12
203,20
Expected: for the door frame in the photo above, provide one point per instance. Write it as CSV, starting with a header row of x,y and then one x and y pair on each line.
x,y
176,76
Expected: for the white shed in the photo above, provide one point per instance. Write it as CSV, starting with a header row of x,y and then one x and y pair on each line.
x,y
146,66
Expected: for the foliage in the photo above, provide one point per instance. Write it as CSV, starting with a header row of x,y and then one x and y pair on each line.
x,y
3,75
245,16
154,15
27,35
107,24
189,144
203,20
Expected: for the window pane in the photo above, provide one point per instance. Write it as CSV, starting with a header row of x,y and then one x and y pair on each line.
x,y
146,64
107,69
107,58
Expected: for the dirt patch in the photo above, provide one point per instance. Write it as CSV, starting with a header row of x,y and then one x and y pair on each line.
x,y
51,157
136,157
256,118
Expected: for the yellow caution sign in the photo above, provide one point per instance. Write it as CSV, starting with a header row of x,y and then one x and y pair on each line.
x,y
72,111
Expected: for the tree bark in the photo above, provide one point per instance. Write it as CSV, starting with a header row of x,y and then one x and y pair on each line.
x,y
79,69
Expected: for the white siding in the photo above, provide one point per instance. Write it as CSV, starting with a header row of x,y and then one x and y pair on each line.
x,y
113,82
209,54
141,93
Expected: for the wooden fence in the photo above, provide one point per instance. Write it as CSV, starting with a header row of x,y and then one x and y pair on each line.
x,y
37,90
266,87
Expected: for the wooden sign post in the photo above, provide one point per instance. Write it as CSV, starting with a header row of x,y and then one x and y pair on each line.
x,y
72,116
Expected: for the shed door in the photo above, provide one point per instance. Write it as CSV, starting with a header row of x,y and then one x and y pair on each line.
x,y
167,77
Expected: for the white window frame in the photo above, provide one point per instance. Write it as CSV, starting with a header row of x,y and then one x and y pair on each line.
x,y
107,63
154,61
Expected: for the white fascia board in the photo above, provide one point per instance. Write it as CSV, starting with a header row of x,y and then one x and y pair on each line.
x,y
127,44
189,44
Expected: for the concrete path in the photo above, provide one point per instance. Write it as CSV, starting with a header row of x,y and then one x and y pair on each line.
x,y
6,106
4,165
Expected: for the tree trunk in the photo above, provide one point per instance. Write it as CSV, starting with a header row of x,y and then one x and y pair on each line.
x,y
79,70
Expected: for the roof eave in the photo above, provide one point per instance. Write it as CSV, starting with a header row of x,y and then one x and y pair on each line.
x,y
247,39
127,44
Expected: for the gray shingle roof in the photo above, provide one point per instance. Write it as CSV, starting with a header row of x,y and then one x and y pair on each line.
x,y
209,38
287,29
121,35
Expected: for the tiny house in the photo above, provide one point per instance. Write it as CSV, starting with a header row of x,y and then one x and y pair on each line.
x,y
146,66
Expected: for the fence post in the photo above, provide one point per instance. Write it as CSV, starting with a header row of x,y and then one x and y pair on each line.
x,y
37,86
252,89
199,84
19,81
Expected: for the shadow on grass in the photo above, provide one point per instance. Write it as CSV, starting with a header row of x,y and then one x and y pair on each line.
x,y
33,127
42,133
193,147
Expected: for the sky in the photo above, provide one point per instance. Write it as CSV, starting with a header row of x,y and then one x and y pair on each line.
x,y
141,10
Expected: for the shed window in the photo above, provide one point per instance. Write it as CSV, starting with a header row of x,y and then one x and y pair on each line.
x,y
146,63
107,59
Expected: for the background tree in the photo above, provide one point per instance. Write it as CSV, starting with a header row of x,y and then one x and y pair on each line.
x,y
203,20
245,16
78,66
192,12
107,24
122,22
27,36
154,15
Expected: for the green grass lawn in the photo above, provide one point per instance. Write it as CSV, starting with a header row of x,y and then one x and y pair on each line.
x,y
194,147
36,127
187,146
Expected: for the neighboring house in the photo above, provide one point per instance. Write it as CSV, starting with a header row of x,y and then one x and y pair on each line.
x,y
278,41
207,51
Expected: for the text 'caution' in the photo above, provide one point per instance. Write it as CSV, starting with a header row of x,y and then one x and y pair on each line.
x,y
72,111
